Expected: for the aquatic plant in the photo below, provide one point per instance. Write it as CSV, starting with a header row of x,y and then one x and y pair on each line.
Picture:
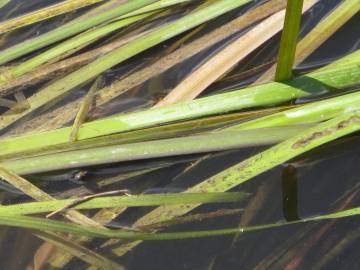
x,y
51,129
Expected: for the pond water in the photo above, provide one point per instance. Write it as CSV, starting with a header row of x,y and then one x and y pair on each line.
x,y
318,182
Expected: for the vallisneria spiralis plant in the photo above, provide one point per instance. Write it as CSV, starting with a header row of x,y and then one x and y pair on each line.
x,y
202,102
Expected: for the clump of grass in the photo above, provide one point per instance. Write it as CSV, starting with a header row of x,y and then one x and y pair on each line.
x,y
71,29
203,125
263,95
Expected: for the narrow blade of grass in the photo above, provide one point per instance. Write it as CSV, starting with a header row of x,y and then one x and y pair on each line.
x,y
288,40
57,226
326,28
43,14
84,109
160,4
104,216
123,201
59,259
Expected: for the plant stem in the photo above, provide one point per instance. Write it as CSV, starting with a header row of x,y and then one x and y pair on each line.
x,y
288,40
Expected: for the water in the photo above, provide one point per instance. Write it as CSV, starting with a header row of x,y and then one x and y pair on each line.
x,y
321,181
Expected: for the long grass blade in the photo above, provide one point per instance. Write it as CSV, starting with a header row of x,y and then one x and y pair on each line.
x,y
190,49
311,138
160,4
123,201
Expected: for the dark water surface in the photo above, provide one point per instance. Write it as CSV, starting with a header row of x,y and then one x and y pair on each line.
x,y
319,182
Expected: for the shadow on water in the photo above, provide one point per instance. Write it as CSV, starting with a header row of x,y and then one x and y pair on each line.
x,y
290,193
